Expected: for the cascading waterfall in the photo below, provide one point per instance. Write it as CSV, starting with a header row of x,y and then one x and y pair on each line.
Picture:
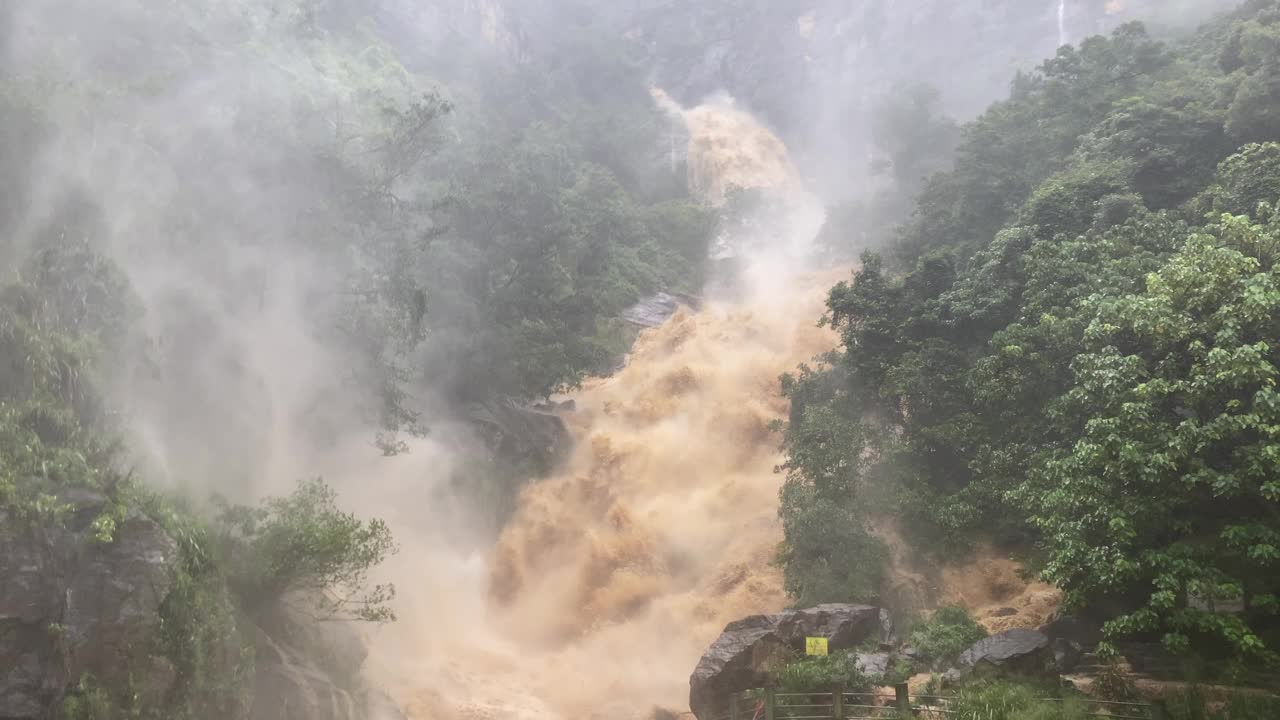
x,y
615,574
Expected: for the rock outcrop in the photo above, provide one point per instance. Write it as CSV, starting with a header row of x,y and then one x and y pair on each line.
x,y
306,670
291,686
76,606
72,606
656,309
1012,653
520,434
749,649
874,665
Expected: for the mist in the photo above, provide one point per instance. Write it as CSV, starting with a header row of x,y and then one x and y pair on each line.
x,y
201,150
378,241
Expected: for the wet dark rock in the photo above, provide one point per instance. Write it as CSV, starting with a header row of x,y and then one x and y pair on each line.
x,y
1081,631
1066,654
1002,612
291,686
656,309
750,650
309,670
288,686
888,634
1012,653
72,606
520,434
334,648
874,664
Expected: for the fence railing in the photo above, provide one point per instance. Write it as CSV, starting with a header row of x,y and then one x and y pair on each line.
x,y
770,704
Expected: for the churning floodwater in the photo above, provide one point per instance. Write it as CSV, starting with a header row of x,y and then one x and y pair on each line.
x,y
614,575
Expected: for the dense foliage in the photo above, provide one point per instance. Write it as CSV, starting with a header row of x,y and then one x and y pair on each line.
x,y
54,323
58,321
443,239
1010,701
302,548
824,672
1074,344
1004,700
948,632
196,192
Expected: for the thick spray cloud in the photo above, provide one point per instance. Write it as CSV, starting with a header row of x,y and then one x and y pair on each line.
x,y
202,148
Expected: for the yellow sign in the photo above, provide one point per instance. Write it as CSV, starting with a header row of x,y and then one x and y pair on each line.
x,y
815,646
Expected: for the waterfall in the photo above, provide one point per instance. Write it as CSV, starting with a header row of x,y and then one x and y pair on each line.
x,y
1062,23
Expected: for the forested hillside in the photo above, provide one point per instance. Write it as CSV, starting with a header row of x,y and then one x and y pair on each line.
x,y
1072,346
281,277
430,233
235,233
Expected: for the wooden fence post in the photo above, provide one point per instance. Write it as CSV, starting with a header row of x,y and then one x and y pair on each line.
x,y
837,703
770,703
903,696
733,707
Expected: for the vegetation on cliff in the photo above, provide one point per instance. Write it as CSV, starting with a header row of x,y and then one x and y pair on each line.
x,y
1072,344
177,176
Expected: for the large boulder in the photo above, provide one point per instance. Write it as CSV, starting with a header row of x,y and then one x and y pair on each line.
x,y
1081,631
656,309
519,434
1012,653
1071,638
73,606
749,650
874,665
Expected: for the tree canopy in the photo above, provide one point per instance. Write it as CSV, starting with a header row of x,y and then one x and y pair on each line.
x,y
1072,344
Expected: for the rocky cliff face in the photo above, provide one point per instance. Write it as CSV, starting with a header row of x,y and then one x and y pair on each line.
x,y
81,613
71,606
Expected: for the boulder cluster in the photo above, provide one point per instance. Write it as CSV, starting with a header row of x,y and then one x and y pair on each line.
x,y
750,651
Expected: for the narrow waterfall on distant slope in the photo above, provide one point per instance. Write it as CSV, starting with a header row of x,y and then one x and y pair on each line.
x,y
1062,23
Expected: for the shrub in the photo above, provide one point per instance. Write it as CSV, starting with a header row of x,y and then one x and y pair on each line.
x,y
1113,682
304,546
819,674
1011,701
1194,703
949,632
201,631
87,701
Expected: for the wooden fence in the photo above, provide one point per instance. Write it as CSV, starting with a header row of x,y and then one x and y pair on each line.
x,y
769,704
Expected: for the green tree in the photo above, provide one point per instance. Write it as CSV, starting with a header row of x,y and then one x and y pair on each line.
x,y
1169,494
948,632
302,549
1071,348
1247,179
828,553
1254,54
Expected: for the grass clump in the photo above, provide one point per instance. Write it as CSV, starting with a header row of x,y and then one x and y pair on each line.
x,y
1194,703
1015,701
821,674
947,633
